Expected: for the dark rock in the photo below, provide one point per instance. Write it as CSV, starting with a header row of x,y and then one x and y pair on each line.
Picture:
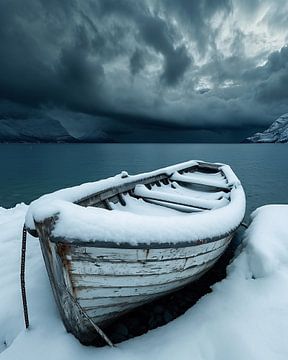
x,y
158,309
132,323
167,316
120,329
117,338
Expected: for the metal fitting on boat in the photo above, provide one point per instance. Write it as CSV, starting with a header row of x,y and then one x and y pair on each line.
x,y
124,174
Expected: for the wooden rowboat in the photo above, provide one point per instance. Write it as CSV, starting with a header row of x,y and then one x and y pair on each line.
x,y
115,244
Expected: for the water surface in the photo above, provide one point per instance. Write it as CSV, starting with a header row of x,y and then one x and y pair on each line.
x,y
28,171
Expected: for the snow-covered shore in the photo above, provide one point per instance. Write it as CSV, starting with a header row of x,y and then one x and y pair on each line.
x,y
245,317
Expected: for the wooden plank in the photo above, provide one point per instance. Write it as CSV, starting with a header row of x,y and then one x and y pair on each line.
x,y
111,302
107,318
112,310
100,196
60,280
136,280
135,255
174,206
199,180
95,302
97,267
97,198
185,189
92,292
198,203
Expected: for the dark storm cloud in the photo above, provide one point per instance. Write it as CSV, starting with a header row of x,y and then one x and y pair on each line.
x,y
195,16
165,63
274,87
157,34
137,62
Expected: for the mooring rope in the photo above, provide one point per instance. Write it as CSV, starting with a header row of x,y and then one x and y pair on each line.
x,y
244,225
83,312
22,277
24,298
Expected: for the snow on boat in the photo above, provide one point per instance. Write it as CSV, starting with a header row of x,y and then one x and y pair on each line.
x,y
115,244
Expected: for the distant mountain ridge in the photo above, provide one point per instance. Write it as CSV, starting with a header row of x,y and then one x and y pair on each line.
x,y
44,130
33,130
276,133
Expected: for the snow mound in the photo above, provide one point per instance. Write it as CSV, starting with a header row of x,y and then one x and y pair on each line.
x,y
266,246
245,316
276,133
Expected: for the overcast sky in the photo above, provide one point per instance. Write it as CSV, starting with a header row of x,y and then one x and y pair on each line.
x,y
146,65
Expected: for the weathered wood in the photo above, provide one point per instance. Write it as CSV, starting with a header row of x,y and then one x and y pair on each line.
x,y
108,279
134,255
189,201
184,178
173,206
88,292
98,267
97,301
136,279
99,197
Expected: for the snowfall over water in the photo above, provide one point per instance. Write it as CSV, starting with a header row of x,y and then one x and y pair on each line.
x,y
92,223
245,316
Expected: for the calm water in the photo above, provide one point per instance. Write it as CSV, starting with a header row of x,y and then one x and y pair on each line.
x,y
28,171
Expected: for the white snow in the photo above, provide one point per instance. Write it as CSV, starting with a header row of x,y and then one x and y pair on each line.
x,y
139,206
75,193
276,133
177,196
91,223
196,178
245,316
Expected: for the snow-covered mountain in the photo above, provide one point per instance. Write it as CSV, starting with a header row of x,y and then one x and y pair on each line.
x,y
276,133
33,130
47,127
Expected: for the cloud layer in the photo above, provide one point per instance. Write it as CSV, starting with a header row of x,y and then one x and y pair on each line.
x,y
190,64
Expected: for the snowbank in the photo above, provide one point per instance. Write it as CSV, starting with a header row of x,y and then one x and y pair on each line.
x,y
245,317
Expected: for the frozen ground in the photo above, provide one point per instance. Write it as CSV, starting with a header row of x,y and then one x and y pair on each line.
x,y
245,317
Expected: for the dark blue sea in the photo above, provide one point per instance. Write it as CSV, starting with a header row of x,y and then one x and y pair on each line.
x,y
30,170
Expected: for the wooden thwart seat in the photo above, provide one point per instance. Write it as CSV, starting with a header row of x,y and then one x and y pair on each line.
x,y
143,192
174,206
200,179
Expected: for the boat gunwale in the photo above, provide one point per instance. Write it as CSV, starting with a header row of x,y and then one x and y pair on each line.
x,y
142,245
150,179
110,192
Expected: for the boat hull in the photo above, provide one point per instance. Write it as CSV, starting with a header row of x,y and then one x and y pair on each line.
x,y
109,281
98,276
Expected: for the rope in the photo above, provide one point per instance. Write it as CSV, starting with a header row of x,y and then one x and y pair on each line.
x,y
22,277
24,299
83,312
244,225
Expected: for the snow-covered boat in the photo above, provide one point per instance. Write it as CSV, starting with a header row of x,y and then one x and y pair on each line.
x,y
115,244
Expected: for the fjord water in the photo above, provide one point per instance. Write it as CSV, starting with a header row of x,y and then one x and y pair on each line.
x,y
30,170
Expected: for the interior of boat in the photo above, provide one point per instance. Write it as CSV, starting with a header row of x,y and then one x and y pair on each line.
x,y
191,190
